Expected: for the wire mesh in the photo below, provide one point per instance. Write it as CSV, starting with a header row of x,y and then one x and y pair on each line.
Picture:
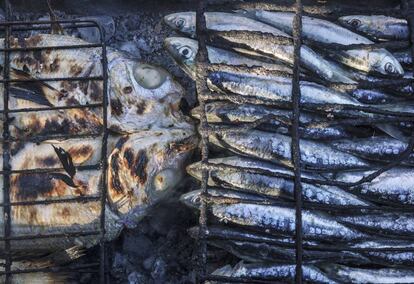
x,y
203,66
10,26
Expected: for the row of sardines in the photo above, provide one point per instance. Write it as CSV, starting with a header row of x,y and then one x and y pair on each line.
x,y
350,126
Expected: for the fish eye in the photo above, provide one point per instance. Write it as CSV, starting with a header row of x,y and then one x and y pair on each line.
x,y
186,52
389,68
148,76
180,23
165,179
355,22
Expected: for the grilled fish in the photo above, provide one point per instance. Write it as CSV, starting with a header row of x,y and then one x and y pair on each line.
x,y
279,272
378,61
378,26
231,172
281,220
141,96
396,224
275,147
376,148
279,120
217,21
358,275
394,187
184,51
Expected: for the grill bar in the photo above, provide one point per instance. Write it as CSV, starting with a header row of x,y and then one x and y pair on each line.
x,y
6,152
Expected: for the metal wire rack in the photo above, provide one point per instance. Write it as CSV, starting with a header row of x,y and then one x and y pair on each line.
x,y
329,11
9,26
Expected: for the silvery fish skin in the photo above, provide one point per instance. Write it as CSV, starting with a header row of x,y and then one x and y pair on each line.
x,y
217,21
405,58
280,272
378,61
184,51
229,113
390,257
262,252
278,90
367,96
378,26
277,147
141,96
382,223
394,187
236,177
378,148
281,220
358,275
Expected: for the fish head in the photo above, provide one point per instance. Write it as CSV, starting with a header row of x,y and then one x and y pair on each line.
x,y
195,170
145,168
215,111
183,51
184,22
192,199
356,22
388,65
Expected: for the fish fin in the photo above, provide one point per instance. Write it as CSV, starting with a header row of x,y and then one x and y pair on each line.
x,y
37,92
65,178
66,160
392,131
56,28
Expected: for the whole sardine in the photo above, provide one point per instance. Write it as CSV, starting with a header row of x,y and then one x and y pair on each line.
x,y
281,220
276,148
395,186
184,51
378,275
234,176
217,21
378,26
382,223
378,61
279,119
377,148
275,272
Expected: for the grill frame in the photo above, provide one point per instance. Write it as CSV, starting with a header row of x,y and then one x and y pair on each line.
x,y
202,63
10,26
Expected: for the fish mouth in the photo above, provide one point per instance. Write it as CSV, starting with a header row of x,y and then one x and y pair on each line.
x,y
169,19
191,199
196,112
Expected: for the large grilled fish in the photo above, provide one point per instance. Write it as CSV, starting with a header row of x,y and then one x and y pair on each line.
x,y
378,61
217,21
143,168
141,96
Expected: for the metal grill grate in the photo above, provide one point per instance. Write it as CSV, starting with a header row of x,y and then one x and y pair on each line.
x,y
203,66
10,26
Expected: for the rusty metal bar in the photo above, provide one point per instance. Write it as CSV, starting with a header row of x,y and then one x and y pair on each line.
x,y
6,153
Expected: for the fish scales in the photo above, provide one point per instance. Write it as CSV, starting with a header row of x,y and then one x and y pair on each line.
x,y
236,177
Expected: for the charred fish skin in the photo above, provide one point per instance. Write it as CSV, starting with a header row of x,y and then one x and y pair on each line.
x,y
279,120
358,275
186,22
141,96
146,167
396,224
393,187
279,272
379,61
374,148
377,26
184,50
237,178
277,147
316,226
